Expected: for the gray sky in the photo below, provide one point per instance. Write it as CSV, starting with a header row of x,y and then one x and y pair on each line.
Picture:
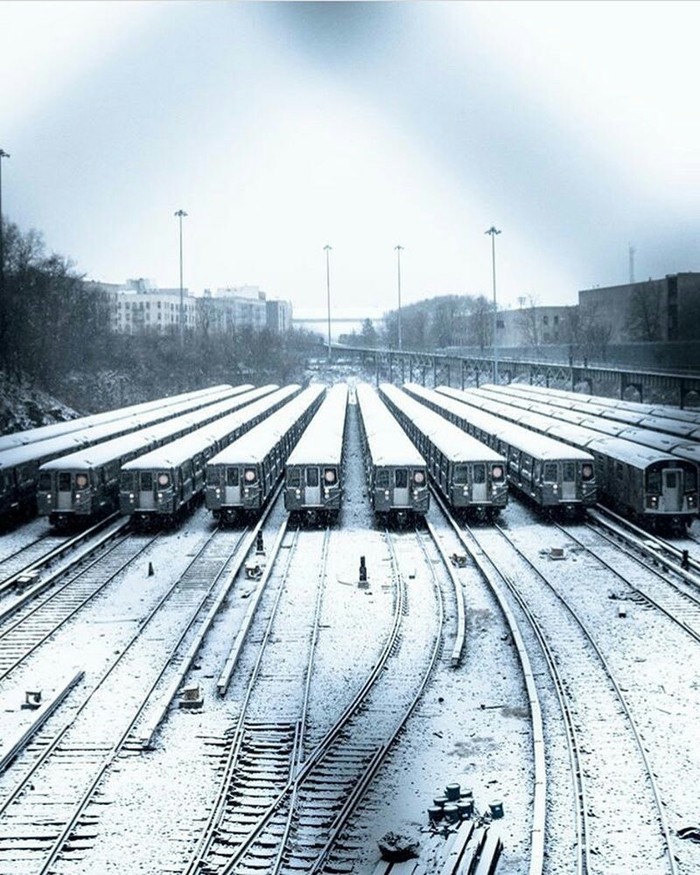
x,y
280,127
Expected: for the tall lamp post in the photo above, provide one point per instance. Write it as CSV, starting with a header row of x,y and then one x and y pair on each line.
x,y
492,231
398,249
328,249
181,215
3,304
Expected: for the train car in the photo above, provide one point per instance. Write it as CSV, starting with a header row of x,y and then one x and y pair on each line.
x,y
470,475
396,473
648,485
313,475
80,423
665,411
683,447
19,466
241,478
656,423
557,479
84,486
160,487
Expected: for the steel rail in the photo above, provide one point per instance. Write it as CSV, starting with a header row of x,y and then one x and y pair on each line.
x,y
618,691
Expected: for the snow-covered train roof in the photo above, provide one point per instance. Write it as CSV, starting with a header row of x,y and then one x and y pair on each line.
x,y
545,449
177,452
579,436
322,441
143,439
669,411
388,442
254,445
452,442
43,451
668,443
56,429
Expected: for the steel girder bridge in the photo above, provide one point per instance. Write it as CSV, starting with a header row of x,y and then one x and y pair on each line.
x,y
439,369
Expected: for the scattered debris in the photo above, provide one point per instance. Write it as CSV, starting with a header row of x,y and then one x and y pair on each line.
x,y
32,700
690,832
459,560
395,847
557,553
253,571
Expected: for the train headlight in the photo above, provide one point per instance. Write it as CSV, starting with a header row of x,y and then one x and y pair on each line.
x,y
131,495
465,489
386,493
160,495
555,487
298,492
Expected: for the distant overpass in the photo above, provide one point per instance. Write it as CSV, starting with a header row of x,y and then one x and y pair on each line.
x,y
339,325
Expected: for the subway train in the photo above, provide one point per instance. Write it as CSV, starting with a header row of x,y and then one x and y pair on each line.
x,y
470,475
313,477
241,478
553,476
396,473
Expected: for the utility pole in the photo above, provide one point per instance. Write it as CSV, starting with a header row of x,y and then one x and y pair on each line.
x,y
492,231
328,249
3,301
632,250
398,277
181,214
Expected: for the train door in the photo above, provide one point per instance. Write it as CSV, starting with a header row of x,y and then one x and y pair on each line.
x,y
146,497
479,482
232,486
401,487
568,481
312,494
672,479
64,500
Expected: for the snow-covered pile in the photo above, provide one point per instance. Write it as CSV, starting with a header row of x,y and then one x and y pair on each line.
x,y
22,407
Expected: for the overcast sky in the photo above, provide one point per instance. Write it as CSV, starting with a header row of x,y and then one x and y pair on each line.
x,y
280,127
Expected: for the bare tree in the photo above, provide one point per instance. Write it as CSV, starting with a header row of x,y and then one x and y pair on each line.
x,y
644,315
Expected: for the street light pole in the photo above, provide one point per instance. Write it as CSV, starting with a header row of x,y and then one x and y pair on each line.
x,y
3,303
180,215
398,249
328,249
492,231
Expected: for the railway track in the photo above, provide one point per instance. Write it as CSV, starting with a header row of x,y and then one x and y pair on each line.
x,y
35,557
305,794
48,810
603,739
676,600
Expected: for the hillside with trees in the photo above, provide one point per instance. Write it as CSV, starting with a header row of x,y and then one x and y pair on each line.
x,y
55,336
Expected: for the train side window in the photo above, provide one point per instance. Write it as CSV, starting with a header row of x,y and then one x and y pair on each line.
x,y
64,481
401,478
569,472
312,477
232,476
479,473
537,470
44,481
619,471
550,472
294,476
146,481
383,478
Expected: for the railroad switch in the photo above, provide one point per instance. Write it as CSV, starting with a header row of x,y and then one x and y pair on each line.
x,y
557,553
32,700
